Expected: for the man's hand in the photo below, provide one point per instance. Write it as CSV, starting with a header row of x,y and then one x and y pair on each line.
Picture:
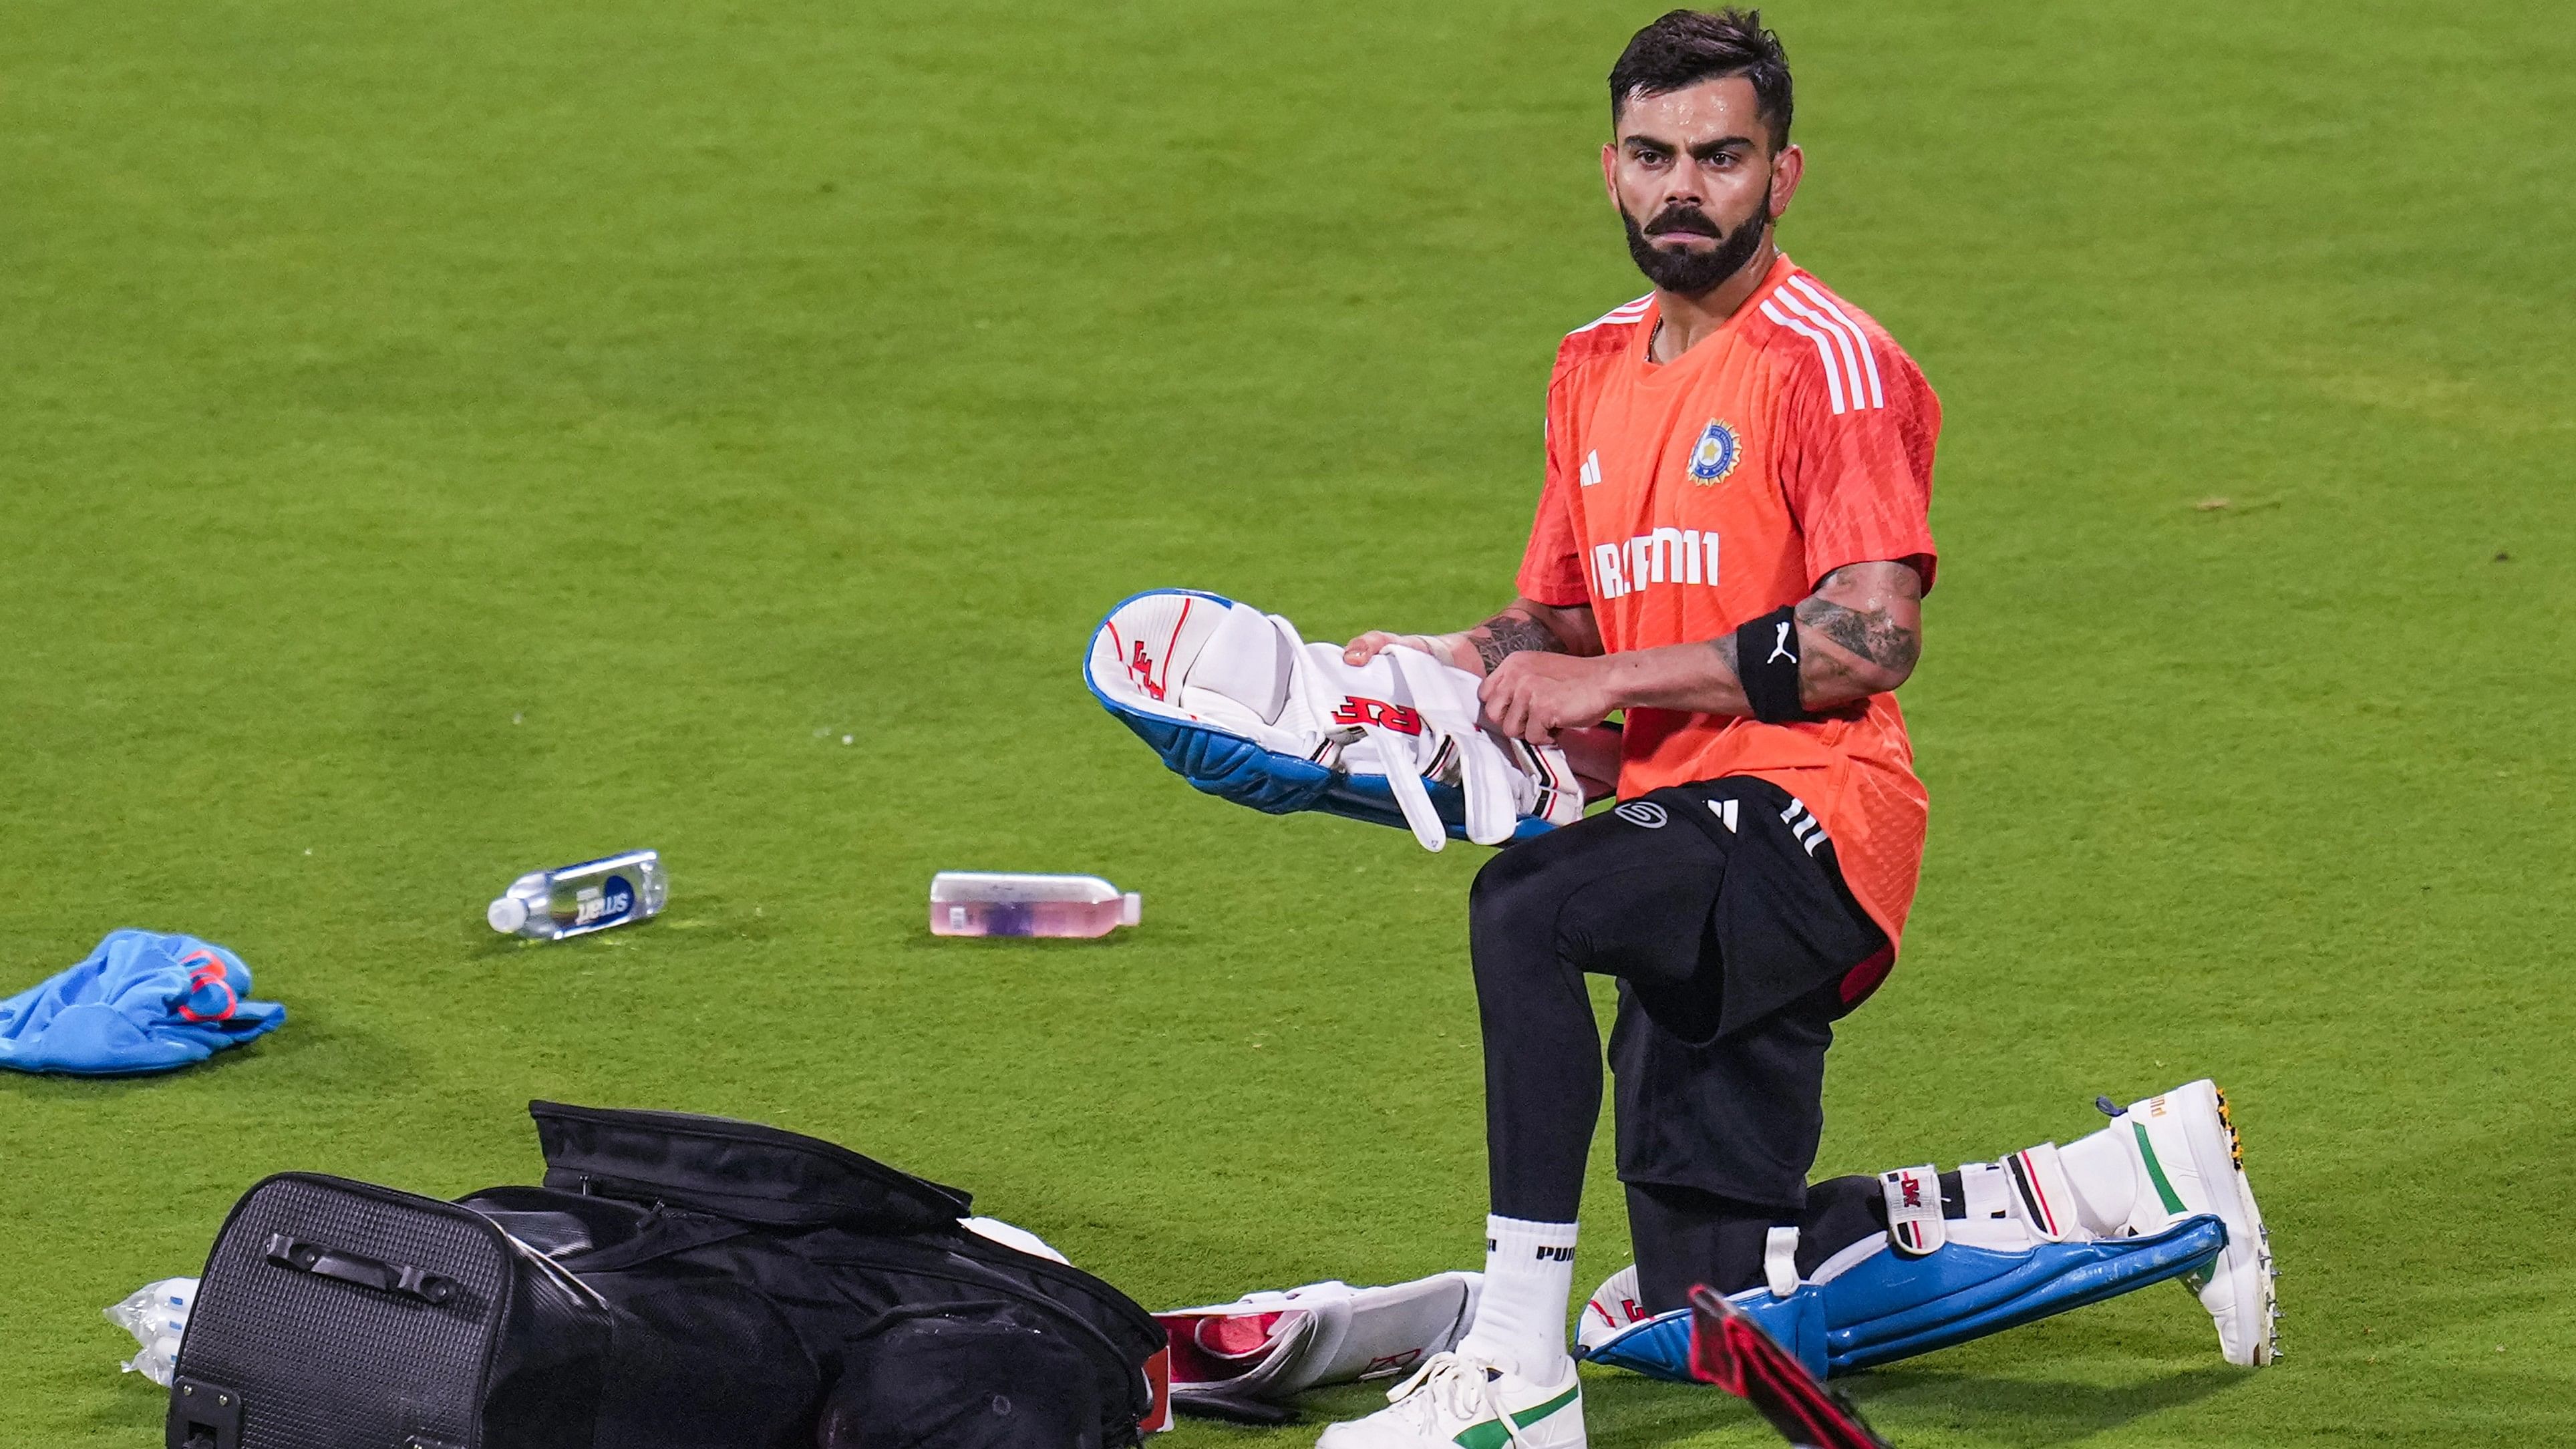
x,y
1377,641
1521,628
1532,696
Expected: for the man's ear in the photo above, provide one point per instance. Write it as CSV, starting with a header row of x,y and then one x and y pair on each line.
x,y
1610,170
1786,170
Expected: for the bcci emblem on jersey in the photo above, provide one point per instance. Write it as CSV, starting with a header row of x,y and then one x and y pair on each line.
x,y
1715,456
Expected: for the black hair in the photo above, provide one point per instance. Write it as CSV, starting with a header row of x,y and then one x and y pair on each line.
x,y
1685,47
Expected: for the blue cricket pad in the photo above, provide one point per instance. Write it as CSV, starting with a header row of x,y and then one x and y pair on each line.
x,y
1659,1347
142,1002
1134,678
1233,768
1891,1306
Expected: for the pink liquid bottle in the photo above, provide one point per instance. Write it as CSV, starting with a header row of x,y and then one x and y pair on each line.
x,y
985,903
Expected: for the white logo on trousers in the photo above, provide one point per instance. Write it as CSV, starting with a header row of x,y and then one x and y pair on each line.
x,y
1803,824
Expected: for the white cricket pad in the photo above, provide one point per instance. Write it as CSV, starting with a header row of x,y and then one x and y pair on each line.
x,y
1392,727
1612,1309
1914,1220
1270,1346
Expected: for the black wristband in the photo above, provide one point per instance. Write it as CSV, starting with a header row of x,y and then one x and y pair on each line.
x,y
1766,660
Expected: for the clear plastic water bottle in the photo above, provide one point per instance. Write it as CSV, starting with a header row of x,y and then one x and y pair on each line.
x,y
548,905
981,903
157,1315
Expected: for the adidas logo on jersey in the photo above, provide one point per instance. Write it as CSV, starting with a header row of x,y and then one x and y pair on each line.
x,y
1665,556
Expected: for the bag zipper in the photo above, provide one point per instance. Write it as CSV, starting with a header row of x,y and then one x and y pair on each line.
x,y
1017,1294
951,1200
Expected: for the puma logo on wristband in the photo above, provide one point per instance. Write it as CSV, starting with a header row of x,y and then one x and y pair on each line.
x,y
1770,679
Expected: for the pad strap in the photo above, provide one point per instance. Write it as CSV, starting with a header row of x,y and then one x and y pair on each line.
x,y
1396,753
1914,1209
2047,1196
1780,1260
1446,698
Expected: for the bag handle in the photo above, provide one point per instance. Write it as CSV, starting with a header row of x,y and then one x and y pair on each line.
x,y
405,1278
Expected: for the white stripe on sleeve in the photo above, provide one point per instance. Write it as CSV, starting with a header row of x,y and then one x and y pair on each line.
x,y
1877,398
1852,374
1824,350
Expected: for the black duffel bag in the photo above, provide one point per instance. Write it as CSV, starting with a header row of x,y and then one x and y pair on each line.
x,y
679,1282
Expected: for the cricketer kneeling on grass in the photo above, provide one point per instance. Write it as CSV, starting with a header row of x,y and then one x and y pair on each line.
x,y
1732,549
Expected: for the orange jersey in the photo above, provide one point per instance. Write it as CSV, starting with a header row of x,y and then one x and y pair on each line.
x,y
1687,497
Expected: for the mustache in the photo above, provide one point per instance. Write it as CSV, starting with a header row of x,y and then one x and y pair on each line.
x,y
1684,221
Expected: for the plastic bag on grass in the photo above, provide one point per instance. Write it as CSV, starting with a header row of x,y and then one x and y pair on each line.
x,y
157,1315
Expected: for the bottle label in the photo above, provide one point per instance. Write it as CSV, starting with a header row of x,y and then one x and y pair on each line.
x,y
610,900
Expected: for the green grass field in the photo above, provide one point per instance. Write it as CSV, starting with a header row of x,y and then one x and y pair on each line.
x,y
442,440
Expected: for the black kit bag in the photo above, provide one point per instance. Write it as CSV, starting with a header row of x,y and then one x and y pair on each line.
x,y
678,1282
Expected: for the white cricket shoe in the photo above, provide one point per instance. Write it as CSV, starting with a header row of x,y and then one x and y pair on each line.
x,y
1456,1402
2191,1162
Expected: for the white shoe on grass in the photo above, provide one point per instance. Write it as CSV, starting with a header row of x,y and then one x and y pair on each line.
x,y
2192,1163
1456,1402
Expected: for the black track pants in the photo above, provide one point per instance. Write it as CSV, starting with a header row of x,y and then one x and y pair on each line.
x,y
1719,908
1684,1237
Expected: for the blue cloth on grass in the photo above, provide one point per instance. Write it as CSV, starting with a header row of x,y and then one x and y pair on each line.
x,y
143,1002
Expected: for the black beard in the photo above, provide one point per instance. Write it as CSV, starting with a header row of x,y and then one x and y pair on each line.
x,y
1687,273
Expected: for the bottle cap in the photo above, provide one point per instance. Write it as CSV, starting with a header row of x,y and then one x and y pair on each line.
x,y
1131,909
507,915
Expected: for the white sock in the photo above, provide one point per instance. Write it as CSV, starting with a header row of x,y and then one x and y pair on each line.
x,y
1529,1285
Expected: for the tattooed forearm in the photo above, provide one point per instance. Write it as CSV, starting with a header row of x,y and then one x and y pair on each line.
x,y
1724,644
1504,635
1869,633
1864,628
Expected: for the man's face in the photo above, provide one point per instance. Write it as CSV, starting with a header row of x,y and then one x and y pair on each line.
x,y
1696,182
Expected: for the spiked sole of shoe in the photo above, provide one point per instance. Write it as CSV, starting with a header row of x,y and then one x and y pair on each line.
x,y
2267,1341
